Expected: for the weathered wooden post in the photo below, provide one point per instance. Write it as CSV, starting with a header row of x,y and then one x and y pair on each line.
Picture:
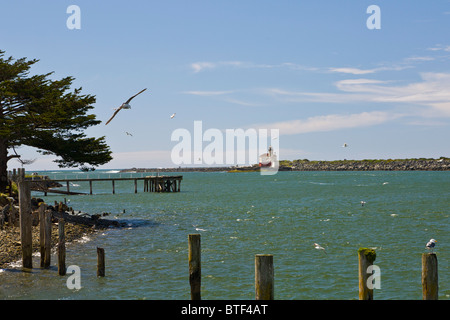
x,y
25,219
195,273
366,257
47,239
42,231
90,186
61,248
430,285
264,277
100,262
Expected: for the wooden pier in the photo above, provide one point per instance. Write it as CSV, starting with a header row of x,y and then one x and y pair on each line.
x,y
151,183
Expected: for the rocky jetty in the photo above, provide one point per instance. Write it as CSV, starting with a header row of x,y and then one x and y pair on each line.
x,y
441,164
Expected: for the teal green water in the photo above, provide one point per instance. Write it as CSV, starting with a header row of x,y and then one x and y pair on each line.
x,y
240,215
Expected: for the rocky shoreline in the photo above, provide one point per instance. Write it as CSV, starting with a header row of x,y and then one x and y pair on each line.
x,y
10,248
76,227
422,164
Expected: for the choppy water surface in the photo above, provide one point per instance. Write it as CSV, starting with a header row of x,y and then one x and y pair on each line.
x,y
243,214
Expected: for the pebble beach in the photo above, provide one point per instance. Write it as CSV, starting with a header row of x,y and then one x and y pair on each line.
x,y
10,247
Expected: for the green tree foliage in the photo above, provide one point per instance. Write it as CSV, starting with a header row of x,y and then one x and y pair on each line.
x,y
45,114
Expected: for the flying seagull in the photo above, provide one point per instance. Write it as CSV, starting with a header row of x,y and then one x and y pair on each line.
x,y
319,247
128,134
124,105
431,244
363,203
172,116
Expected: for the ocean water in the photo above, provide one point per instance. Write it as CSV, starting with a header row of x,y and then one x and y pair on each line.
x,y
242,214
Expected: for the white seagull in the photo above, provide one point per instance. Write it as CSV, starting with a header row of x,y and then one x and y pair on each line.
x,y
124,105
319,247
172,116
431,244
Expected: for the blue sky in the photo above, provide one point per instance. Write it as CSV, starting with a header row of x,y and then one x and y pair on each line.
x,y
311,69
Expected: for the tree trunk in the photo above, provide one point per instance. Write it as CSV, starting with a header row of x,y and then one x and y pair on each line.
x,y
3,166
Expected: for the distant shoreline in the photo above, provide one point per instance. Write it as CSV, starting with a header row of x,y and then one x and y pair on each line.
x,y
422,164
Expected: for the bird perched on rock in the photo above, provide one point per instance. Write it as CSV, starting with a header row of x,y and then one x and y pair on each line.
x,y
125,105
431,244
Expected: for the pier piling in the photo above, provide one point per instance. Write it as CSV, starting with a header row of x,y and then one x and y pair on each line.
x,y
264,277
366,257
100,262
430,285
61,248
47,238
195,266
45,229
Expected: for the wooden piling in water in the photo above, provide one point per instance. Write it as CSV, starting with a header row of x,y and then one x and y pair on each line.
x,y
25,219
100,262
61,248
44,232
366,257
430,286
264,277
47,239
195,266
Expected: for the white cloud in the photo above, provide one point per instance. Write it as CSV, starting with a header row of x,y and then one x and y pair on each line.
x,y
201,66
432,91
416,58
440,47
357,71
331,122
352,70
208,93
207,65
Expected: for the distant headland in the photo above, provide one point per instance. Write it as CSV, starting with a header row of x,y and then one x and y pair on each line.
x,y
419,164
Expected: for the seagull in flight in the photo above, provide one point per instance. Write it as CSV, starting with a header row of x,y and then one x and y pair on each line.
x,y
128,134
172,116
124,105
363,203
431,244
319,247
